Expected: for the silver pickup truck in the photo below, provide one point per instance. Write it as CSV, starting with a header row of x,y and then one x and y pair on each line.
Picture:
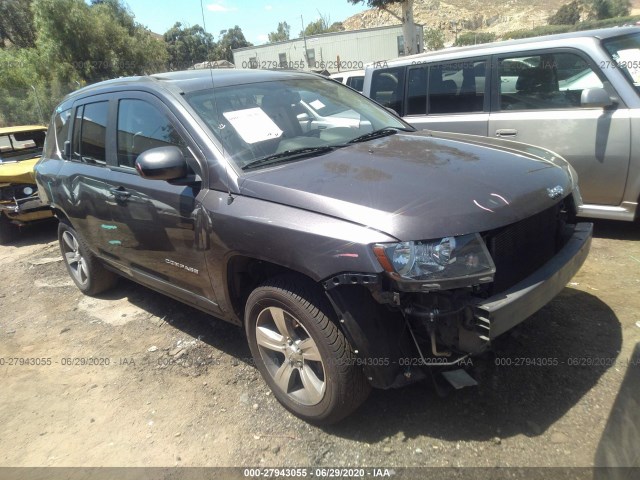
x,y
575,94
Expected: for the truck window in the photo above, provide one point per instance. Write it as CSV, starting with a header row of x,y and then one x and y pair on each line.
x,y
550,80
387,88
457,87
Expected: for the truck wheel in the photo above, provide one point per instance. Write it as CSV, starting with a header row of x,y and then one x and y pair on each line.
x,y
85,269
8,231
302,355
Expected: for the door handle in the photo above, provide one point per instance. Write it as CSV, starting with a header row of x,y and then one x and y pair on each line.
x,y
120,193
506,132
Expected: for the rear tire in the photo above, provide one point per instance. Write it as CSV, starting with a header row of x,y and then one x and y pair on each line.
x,y
302,355
84,268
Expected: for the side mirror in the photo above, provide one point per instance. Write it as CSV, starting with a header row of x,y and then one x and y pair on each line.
x,y
162,163
595,98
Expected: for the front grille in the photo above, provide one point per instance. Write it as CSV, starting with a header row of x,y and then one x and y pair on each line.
x,y
521,248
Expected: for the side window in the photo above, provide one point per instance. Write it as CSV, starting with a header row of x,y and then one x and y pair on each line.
x,y
387,88
58,133
356,83
457,87
90,132
550,80
141,126
417,91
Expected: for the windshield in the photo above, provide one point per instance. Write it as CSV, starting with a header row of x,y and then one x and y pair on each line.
x,y
18,146
263,120
625,52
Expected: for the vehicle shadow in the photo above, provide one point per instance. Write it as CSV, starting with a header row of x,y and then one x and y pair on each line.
x,y
540,370
616,230
537,372
617,456
217,333
40,233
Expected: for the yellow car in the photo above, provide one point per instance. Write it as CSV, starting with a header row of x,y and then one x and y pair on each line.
x,y
20,150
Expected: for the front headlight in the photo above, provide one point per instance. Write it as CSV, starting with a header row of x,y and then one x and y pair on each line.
x,y
443,259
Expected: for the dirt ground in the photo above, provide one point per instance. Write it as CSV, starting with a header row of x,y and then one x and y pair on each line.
x,y
136,379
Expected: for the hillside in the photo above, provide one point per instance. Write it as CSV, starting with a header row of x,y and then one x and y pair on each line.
x,y
497,16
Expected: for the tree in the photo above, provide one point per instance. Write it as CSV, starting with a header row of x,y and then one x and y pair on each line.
x,y
473,38
322,25
74,43
620,8
568,14
411,44
230,40
16,24
602,9
281,34
433,39
187,46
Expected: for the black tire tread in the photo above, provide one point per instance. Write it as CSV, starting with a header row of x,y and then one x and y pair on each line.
x,y
101,278
353,386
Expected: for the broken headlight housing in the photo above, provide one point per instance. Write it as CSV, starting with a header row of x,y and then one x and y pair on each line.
x,y
446,258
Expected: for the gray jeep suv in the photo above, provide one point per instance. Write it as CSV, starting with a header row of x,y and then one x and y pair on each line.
x,y
355,251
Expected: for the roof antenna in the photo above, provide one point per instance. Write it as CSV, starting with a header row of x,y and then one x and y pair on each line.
x,y
230,198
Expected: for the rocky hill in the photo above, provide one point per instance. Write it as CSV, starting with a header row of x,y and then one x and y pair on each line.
x,y
497,16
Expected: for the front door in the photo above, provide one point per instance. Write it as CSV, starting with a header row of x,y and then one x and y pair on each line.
x,y
538,102
153,229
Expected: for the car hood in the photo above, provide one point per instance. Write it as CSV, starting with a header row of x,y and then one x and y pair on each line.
x,y
420,185
18,172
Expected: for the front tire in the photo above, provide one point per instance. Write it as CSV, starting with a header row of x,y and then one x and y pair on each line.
x,y
302,355
84,268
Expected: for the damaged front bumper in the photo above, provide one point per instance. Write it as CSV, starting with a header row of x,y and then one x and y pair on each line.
x,y
400,333
504,311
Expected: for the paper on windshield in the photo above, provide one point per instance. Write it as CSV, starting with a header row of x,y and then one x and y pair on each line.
x,y
630,59
253,125
317,104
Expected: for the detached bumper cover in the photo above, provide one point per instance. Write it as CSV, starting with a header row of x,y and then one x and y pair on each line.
x,y
504,311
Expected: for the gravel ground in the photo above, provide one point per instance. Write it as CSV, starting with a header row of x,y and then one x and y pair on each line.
x,y
135,379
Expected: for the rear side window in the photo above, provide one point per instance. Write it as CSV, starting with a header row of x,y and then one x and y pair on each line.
x,y
90,133
545,81
58,133
141,127
387,88
457,87
356,83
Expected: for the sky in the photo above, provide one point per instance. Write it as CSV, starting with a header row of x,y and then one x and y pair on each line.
x,y
256,18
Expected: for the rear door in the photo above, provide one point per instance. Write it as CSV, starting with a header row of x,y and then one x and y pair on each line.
x,y
449,96
154,222
83,175
537,101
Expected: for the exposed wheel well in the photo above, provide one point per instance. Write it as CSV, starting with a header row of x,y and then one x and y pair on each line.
x,y
244,274
61,216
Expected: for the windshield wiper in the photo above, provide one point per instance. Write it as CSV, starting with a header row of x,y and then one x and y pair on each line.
x,y
289,155
383,132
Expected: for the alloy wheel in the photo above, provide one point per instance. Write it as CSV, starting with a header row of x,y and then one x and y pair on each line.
x,y
291,356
